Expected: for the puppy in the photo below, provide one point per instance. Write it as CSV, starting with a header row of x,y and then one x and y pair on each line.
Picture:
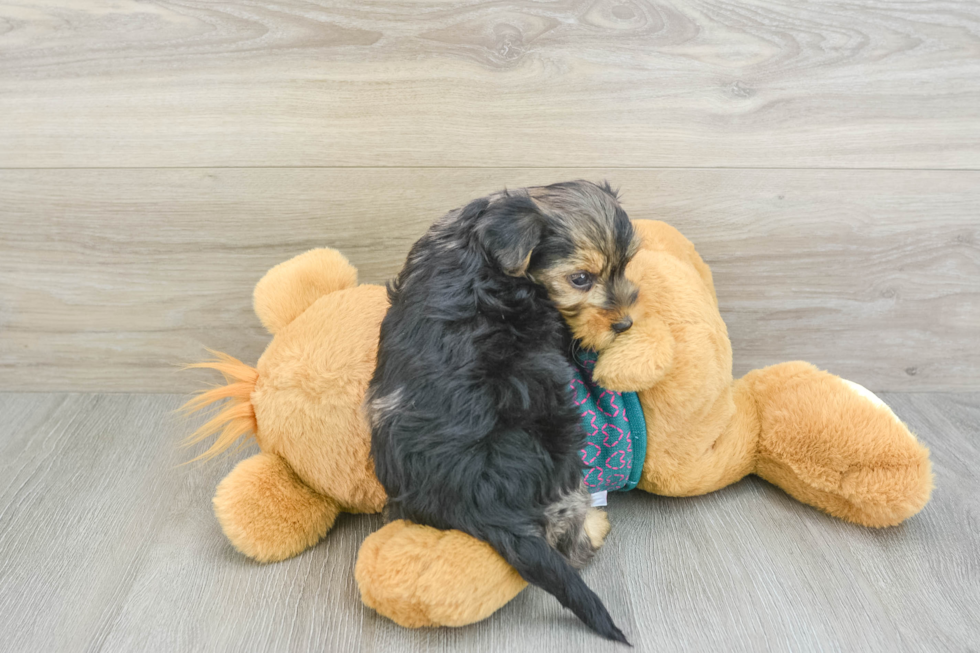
x,y
472,422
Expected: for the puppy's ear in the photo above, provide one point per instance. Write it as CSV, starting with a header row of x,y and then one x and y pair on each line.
x,y
509,230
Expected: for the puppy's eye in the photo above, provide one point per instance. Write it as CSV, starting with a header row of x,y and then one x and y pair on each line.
x,y
581,280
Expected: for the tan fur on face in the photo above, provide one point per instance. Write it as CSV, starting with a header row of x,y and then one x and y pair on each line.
x,y
586,312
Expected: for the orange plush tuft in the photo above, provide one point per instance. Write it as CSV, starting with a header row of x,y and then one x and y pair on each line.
x,y
234,420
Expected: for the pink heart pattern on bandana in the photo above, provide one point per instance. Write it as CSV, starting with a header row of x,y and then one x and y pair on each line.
x,y
608,451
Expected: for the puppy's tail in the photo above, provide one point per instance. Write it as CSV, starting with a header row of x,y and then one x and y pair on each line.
x,y
540,564
237,417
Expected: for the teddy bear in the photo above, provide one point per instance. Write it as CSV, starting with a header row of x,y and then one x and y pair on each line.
x,y
826,441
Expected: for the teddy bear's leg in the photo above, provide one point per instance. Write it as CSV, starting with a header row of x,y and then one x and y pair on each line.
x,y
268,513
420,576
836,446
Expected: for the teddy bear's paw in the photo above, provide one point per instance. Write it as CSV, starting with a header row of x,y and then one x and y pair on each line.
x,y
626,370
835,445
880,497
638,359
420,576
269,514
871,397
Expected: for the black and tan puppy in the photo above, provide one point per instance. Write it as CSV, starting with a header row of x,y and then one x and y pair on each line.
x,y
472,421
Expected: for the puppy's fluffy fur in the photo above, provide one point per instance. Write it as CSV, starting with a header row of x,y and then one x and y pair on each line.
x,y
473,426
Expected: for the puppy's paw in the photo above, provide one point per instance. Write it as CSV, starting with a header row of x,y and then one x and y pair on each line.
x,y
596,526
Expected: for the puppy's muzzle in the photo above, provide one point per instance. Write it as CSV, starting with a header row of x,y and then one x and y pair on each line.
x,y
622,325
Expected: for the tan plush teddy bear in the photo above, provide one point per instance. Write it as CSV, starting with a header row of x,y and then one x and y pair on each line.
x,y
826,441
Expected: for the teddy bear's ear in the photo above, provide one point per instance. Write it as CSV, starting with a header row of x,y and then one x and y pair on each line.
x,y
291,287
509,229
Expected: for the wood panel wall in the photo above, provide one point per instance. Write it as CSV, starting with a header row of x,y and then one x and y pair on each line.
x,y
157,157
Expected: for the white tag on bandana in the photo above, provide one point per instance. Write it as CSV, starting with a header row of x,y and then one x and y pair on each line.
x,y
599,499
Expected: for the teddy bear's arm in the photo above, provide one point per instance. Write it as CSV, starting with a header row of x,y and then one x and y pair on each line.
x,y
637,359
675,284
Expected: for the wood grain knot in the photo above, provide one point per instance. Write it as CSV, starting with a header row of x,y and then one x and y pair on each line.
x,y
509,43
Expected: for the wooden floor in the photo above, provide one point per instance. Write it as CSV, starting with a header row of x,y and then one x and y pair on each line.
x,y
106,544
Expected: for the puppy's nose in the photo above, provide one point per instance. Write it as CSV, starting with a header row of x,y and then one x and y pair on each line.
x,y
623,325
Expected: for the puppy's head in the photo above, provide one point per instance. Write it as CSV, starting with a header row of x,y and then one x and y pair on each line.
x,y
574,240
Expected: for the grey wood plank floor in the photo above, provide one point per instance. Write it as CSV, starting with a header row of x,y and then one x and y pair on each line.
x,y
107,543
